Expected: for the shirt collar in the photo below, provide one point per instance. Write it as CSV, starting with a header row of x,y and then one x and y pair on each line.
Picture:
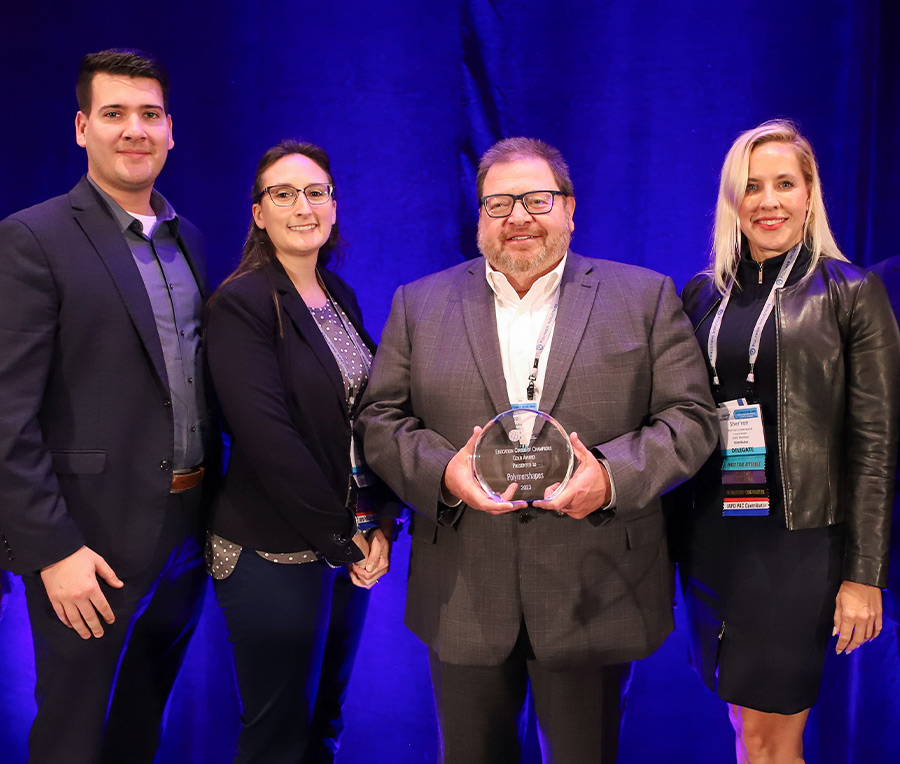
x,y
541,290
161,208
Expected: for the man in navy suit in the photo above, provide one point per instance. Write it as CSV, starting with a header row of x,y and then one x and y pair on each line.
x,y
103,425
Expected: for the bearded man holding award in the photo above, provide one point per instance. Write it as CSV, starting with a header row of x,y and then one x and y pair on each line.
x,y
520,571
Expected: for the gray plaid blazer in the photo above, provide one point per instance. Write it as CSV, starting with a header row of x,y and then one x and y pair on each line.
x,y
626,373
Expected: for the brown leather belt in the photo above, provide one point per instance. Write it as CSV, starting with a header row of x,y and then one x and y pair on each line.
x,y
184,480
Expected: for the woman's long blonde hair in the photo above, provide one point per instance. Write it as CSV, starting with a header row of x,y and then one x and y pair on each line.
x,y
727,235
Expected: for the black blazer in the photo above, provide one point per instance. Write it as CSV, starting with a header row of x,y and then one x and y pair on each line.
x,y
285,408
86,429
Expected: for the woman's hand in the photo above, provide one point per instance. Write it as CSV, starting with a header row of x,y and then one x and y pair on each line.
x,y
378,560
362,542
857,615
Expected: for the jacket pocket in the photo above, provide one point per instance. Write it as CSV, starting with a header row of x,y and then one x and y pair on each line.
x,y
644,531
78,462
624,356
422,529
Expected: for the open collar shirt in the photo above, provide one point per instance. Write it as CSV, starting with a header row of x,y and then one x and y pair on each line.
x,y
176,302
520,322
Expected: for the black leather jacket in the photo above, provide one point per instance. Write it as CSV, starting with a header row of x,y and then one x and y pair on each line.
x,y
838,352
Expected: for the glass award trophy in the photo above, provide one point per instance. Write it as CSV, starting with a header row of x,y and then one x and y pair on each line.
x,y
526,447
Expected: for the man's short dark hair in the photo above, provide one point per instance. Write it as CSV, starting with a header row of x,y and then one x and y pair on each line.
x,y
513,149
125,62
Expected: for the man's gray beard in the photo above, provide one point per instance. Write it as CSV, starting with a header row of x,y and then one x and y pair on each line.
x,y
555,246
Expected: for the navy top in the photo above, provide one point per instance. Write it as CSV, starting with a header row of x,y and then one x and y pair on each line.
x,y
733,365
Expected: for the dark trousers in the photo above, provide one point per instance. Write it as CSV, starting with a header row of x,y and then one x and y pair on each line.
x,y
294,631
102,700
579,710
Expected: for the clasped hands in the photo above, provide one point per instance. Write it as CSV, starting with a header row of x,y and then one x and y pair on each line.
x,y
587,490
377,549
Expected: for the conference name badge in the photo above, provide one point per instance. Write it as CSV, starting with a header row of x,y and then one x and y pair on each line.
x,y
742,444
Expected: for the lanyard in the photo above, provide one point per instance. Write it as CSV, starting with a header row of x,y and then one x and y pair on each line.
x,y
712,344
542,341
364,356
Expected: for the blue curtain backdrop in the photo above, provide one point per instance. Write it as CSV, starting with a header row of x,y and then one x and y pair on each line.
x,y
643,98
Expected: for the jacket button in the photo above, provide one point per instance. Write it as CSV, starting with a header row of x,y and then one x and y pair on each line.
x,y
337,538
165,465
524,519
167,403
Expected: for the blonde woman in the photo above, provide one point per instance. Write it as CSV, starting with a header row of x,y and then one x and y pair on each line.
x,y
788,532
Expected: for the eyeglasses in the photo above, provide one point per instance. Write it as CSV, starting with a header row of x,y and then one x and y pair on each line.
x,y
534,202
286,196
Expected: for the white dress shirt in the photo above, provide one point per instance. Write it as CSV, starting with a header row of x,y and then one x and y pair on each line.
x,y
520,323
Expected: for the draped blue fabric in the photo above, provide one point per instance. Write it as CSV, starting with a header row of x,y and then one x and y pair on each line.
x,y
643,98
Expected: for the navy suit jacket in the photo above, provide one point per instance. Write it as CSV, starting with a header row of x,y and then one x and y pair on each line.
x,y
86,425
283,399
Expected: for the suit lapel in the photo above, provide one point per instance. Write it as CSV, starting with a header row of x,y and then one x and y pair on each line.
x,y
109,243
481,328
304,322
577,292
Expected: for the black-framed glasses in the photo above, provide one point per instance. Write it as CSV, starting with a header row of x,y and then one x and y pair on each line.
x,y
286,196
534,202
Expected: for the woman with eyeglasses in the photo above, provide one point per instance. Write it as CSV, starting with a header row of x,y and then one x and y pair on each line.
x,y
301,528
787,537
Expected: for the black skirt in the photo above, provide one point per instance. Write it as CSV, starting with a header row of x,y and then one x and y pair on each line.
x,y
760,601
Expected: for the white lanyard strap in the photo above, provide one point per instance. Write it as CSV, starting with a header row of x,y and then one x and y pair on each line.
x,y
712,344
542,341
362,351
